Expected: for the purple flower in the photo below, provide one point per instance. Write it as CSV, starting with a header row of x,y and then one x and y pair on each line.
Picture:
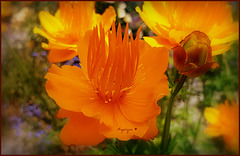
x,y
77,64
44,53
16,124
39,133
29,134
35,54
49,127
32,110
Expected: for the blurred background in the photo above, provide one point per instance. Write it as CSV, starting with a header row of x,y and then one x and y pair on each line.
x,y
28,122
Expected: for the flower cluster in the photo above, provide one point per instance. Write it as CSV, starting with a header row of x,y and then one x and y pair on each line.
x,y
113,88
16,124
33,110
174,23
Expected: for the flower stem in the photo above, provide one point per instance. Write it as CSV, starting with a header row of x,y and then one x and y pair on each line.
x,y
165,137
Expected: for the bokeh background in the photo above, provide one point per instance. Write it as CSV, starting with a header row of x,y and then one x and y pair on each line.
x,y
28,123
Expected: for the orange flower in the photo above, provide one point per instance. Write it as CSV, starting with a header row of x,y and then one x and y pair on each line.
x,y
115,93
172,21
68,26
224,121
194,55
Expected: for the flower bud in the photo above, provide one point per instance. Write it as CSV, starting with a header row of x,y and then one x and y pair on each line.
x,y
193,56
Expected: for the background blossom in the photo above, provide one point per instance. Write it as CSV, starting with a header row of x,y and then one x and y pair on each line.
x,y
69,25
173,21
224,121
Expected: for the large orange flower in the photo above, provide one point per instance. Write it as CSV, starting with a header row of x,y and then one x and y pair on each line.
x,y
68,26
224,121
173,21
115,93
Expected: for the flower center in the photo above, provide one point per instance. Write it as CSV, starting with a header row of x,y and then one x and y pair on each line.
x,y
112,68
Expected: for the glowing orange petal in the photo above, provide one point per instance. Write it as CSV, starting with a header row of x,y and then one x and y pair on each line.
x,y
77,91
199,71
140,109
152,130
60,55
140,103
108,17
180,60
80,130
82,50
50,23
158,41
121,127
154,60
94,109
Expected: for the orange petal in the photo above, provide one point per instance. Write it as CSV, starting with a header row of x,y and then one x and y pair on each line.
x,y
180,60
198,71
50,23
219,49
60,55
118,126
108,17
152,130
94,109
159,41
154,60
213,130
232,142
43,33
82,49
69,92
140,104
198,54
80,130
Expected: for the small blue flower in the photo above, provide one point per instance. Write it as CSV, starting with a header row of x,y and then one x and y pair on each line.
x,y
44,53
39,133
29,134
35,54
16,124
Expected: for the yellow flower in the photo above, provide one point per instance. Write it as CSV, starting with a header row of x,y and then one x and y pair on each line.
x,y
69,25
115,91
173,21
224,121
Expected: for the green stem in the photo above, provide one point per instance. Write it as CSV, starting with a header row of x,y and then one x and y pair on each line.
x,y
169,79
165,137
